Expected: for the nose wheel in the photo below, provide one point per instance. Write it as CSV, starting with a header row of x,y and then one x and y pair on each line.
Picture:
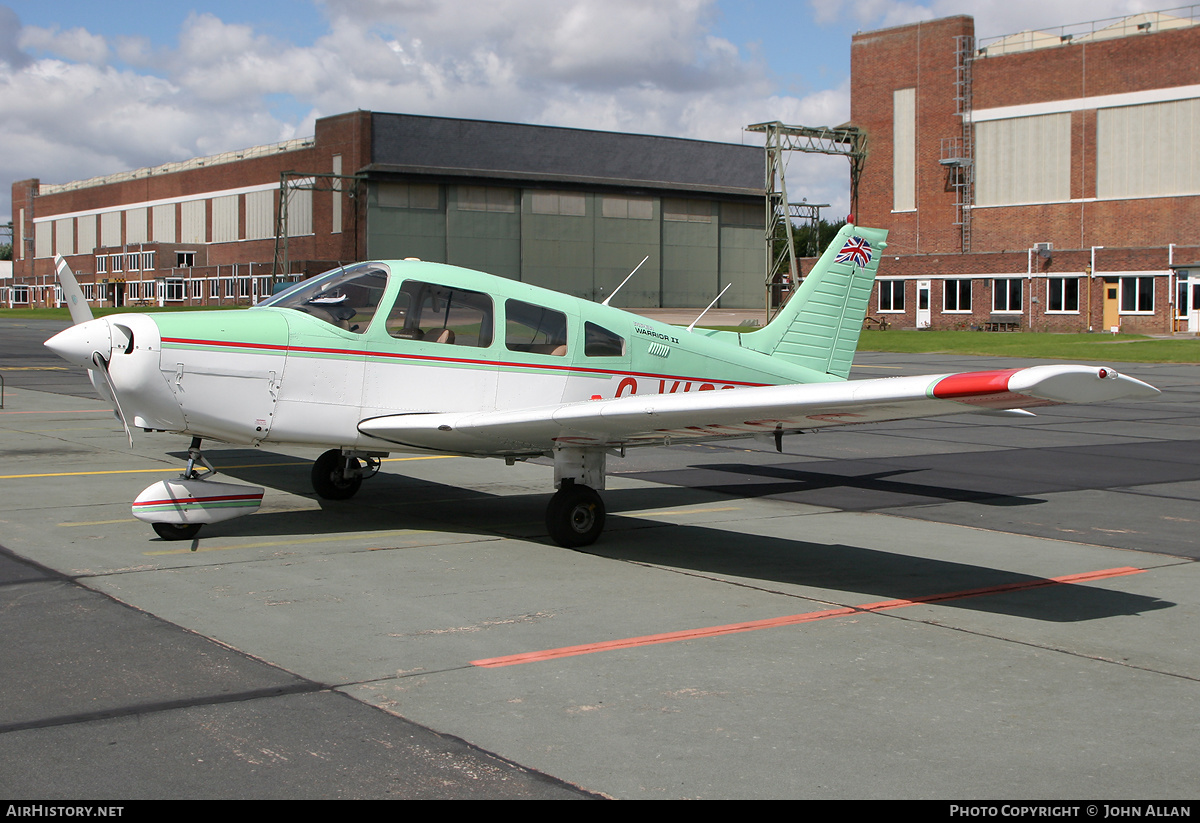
x,y
575,515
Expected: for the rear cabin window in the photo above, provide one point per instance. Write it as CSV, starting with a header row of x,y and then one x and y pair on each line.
x,y
534,329
441,314
600,342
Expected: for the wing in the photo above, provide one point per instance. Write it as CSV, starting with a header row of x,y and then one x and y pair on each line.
x,y
656,419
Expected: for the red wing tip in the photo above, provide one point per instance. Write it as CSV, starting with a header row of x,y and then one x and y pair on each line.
x,y
971,384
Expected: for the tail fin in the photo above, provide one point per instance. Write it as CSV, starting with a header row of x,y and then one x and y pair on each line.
x,y
819,326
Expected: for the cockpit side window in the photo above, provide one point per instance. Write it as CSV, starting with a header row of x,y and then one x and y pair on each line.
x,y
346,298
535,329
441,314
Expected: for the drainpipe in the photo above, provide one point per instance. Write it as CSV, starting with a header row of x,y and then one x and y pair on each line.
x,y
1171,309
1029,280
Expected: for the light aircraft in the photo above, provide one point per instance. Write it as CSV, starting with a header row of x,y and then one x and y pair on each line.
x,y
411,356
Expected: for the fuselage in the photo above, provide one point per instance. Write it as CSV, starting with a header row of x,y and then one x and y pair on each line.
x,y
402,337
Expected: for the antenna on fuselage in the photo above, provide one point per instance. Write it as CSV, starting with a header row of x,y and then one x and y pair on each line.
x,y
626,280
710,305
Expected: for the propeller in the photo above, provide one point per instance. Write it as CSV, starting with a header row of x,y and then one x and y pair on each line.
x,y
89,342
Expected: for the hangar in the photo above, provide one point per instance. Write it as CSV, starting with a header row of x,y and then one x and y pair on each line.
x,y
1044,180
571,209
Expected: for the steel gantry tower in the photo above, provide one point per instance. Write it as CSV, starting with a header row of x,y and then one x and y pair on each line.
x,y
847,141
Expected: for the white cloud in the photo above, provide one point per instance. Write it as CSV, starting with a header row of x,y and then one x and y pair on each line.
x,y
80,106
76,45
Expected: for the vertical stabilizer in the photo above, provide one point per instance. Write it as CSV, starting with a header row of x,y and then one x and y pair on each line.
x,y
819,326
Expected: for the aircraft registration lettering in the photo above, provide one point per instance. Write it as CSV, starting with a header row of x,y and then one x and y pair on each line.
x,y
629,385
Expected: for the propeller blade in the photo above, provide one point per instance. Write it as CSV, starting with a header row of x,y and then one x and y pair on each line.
x,y
81,312
102,367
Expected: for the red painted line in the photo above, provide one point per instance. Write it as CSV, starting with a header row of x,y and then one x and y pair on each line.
x,y
426,358
60,411
791,620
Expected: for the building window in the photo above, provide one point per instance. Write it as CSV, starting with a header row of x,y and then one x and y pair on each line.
x,y
197,288
20,294
1006,295
904,149
1137,295
487,198
101,264
1063,295
568,203
174,289
185,259
686,211
632,208
891,295
409,195
957,295
214,287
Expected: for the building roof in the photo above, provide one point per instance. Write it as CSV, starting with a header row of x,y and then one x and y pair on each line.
x,y
414,144
1107,29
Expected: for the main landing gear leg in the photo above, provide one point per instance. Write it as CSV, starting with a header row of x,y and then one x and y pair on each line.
x,y
575,515
338,474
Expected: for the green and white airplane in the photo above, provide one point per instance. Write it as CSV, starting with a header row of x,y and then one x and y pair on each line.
x,y
410,356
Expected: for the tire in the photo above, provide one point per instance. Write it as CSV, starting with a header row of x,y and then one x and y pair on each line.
x,y
328,479
575,516
170,531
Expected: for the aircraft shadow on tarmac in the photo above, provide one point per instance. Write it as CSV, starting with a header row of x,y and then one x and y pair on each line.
x,y
391,502
1003,477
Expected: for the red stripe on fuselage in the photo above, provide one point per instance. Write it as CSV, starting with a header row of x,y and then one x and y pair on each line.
x,y
461,360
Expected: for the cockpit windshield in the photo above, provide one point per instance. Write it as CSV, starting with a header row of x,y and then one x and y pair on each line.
x,y
346,297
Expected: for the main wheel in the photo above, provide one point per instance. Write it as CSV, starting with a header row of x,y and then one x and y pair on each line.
x,y
329,478
170,531
575,516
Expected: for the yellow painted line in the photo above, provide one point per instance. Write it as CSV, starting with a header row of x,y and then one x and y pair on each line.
x,y
101,522
81,474
289,542
680,511
33,368
176,469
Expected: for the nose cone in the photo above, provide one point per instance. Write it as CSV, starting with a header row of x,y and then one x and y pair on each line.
x,y
77,344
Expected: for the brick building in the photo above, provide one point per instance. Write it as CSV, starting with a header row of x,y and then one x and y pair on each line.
x,y
571,209
1047,181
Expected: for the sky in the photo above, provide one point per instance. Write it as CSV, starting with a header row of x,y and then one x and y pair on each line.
x,y
89,87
